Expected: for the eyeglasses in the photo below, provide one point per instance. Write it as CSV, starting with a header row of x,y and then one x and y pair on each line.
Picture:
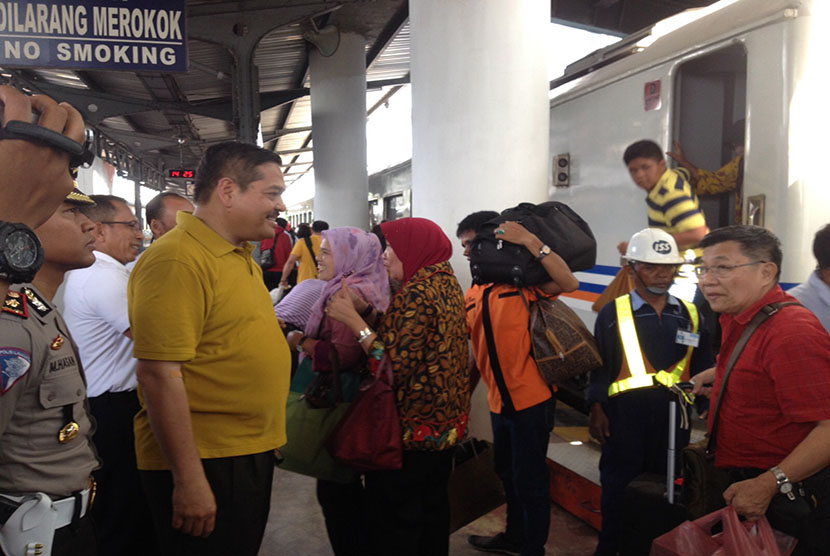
x,y
135,225
721,270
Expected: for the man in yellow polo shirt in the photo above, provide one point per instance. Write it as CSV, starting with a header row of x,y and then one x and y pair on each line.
x,y
672,203
214,366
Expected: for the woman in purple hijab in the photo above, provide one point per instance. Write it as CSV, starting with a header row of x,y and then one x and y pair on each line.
x,y
354,257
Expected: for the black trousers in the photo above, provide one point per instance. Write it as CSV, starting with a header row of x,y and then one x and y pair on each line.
x,y
77,539
342,505
242,488
409,510
121,514
638,444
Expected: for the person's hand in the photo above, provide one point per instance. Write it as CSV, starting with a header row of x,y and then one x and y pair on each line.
x,y
678,154
360,304
194,507
35,178
514,233
703,382
293,338
599,426
751,498
340,306
622,247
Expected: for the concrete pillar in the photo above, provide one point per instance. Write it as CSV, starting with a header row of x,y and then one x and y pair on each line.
x,y
480,109
480,116
338,118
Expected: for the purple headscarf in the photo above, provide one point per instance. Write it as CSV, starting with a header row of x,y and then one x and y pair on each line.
x,y
358,256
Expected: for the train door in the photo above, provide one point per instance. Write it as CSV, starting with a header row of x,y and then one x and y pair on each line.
x,y
709,116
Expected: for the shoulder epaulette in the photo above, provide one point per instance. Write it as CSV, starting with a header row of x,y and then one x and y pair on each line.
x,y
40,305
15,304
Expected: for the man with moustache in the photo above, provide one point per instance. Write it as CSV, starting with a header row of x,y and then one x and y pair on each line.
x,y
213,364
95,308
46,451
649,340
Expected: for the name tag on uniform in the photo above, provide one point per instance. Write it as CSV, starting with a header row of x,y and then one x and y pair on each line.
x,y
687,338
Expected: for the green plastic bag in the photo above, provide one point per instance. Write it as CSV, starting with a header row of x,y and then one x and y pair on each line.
x,y
308,428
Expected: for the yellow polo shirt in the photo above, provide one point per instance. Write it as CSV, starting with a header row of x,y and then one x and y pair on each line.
x,y
196,298
307,267
673,205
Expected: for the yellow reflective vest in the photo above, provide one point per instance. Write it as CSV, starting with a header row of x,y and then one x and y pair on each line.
x,y
636,370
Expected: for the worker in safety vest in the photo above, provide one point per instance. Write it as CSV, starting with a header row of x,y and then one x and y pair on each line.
x,y
649,340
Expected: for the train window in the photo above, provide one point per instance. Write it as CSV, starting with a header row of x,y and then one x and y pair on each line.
x,y
710,107
395,206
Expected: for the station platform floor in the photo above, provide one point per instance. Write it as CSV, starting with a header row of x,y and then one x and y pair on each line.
x,y
296,528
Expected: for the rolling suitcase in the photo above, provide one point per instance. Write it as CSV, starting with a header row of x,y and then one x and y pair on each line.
x,y
650,505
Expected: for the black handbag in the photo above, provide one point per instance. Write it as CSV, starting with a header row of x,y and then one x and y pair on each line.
x,y
493,260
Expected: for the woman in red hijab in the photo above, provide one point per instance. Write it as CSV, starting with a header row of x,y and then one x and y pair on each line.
x,y
424,333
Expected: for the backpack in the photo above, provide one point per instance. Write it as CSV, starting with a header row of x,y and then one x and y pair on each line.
x,y
496,261
266,257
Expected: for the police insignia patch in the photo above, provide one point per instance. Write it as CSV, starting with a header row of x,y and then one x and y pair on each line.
x,y
16,305
14,363
40,305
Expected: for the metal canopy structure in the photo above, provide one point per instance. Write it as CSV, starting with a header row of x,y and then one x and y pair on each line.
x,y
248,71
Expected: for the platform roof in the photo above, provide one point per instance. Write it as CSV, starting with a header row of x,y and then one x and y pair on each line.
x,y
149,122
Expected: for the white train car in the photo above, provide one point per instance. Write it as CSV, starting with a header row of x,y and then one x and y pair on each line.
x,y
690,78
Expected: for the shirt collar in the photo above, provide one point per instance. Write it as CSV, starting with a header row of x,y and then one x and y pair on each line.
x,y
822,289
637,301
775,295
103,257
207,236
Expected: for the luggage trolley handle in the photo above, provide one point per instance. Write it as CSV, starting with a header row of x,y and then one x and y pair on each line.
x,y
671,450
680,389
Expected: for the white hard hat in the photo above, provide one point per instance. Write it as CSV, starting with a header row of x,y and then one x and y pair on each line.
x,y
653,246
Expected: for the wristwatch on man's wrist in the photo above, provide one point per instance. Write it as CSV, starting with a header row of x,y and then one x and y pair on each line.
x,y
783,482
544,251
20,253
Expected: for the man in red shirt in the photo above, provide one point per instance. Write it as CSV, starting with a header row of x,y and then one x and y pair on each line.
x,y
774,424
281,244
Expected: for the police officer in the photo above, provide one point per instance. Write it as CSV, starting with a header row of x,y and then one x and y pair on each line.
x,y
648,340
46,452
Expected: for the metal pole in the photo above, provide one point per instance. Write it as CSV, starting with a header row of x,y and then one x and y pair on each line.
x,y
671,451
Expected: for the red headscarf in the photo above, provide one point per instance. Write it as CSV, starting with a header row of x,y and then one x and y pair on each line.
x,y
417,242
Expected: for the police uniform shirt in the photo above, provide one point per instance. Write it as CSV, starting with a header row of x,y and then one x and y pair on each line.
x,y
42,389
658,340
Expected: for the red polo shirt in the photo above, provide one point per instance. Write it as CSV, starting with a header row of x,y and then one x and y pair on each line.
x,y
779,388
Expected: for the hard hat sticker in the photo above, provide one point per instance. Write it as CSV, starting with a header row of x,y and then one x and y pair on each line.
x,y
661,246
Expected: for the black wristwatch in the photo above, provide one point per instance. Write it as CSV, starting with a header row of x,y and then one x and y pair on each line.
x,y
20,253
544,251
785,487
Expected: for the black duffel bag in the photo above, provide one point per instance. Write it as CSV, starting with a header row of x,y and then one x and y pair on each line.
x,y
556,224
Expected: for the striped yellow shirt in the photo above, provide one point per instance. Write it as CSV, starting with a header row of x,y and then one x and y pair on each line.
x,y
673,205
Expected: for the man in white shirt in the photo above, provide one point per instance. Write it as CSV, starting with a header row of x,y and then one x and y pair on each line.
x,y
95,302
815,292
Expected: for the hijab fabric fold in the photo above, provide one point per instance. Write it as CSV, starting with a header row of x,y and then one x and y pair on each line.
x,y
417,242
357,256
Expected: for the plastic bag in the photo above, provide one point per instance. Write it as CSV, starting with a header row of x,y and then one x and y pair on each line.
x,y
695,538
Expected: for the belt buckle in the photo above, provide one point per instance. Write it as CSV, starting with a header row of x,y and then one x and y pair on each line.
x,y
93,490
